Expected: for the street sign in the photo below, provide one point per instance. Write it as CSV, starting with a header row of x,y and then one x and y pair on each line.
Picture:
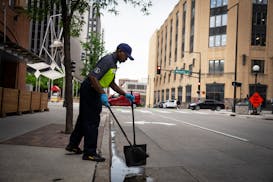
x,y
256,100
183,72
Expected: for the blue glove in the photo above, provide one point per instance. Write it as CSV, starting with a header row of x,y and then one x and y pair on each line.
x,y
130,97
104,99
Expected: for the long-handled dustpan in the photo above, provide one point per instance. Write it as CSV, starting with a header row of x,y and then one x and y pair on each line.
x,y
134,155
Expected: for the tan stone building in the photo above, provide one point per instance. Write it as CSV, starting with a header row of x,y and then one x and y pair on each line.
x,y
219,44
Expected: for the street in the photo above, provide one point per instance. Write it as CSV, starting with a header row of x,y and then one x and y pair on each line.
x,y
204,145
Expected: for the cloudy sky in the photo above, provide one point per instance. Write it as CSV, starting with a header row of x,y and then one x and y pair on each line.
x,y
136,29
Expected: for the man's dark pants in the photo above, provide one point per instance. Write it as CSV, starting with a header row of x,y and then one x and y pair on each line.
x,y
88,120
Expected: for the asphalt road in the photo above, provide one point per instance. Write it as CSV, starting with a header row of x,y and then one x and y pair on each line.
x,y
200,146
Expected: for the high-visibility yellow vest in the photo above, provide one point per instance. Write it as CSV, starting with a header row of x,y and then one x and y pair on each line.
x,y
106,80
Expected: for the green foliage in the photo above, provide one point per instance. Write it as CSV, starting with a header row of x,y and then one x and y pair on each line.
x,y
31,79
111,5
94,47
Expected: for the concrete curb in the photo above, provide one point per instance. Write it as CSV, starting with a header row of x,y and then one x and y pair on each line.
x,y
102,170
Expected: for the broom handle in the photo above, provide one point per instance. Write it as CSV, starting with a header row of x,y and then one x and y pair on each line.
x,y
133,116
119,125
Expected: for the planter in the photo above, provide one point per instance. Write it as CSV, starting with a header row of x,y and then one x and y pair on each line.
x,y
44,102
24,101
35,101
9,101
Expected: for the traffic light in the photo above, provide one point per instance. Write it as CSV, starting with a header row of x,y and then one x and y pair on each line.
x,y
73,66
158,70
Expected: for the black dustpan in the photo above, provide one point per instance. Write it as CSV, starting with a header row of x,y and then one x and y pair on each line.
x,y
135,155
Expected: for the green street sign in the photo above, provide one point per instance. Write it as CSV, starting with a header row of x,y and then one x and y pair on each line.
x,y
183,72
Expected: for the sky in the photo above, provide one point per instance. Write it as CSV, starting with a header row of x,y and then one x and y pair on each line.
x,y
136,29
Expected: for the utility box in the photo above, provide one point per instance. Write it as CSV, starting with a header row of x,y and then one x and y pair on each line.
x,y
242,108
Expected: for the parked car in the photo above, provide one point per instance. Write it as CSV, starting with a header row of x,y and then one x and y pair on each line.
x,y
160,104
120,100
207,104
170,104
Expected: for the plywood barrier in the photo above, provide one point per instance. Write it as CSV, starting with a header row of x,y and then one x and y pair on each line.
x,y
9,101
35,101
24,101
44,102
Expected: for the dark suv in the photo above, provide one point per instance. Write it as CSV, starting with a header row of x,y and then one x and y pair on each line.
x,y
207,104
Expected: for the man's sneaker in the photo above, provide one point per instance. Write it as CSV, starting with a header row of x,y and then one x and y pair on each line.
x,y
95,157
76,150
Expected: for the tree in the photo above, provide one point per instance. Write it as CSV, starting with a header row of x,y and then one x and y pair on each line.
x,y
94,48
71,10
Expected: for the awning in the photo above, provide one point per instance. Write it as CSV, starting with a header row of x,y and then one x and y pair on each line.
x,y
39,66
20,52
52,74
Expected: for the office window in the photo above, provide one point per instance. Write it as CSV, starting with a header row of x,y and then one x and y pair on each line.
x,y
162,95
216,66
218,23
188,93
259,17
215,91
173,93
180,90
167,94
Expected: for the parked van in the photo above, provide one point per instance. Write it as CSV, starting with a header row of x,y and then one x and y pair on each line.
x,y
120,100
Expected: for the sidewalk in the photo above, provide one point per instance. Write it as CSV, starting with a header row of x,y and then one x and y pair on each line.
x,y
32,149
266,115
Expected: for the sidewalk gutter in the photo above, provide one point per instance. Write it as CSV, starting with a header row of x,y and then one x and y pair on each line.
x,y
102,170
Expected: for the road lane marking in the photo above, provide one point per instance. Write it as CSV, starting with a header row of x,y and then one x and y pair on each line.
x,y
145,111
208,129
149,122
161,111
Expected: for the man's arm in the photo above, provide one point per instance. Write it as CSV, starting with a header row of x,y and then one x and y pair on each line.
x,y
116,88
95,84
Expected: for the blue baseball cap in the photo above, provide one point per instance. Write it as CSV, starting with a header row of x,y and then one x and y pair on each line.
x,y
126,49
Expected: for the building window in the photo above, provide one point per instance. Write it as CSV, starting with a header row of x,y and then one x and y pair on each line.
x,y
162,95
167,94
180,94
215,91
216,66
188,93
257,62
173,93
259,17
192,25
183,29
218,23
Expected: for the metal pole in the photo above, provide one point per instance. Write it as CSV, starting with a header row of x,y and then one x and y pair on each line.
x,y
199,78
235,67
255,90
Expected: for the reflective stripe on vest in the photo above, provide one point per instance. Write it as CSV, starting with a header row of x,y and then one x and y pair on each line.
x,y
106,80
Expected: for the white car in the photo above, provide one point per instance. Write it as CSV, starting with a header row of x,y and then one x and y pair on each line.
x,y
170,104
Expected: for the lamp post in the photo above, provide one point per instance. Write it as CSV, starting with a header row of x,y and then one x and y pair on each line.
x,y
255,69
236,55
199,74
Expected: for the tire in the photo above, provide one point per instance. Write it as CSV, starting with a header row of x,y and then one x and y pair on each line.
x,y
218,108
197,107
